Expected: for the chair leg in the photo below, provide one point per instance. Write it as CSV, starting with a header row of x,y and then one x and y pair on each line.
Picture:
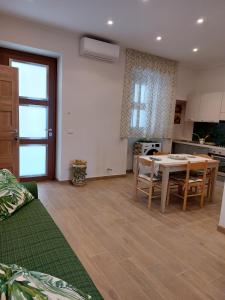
x,y
180,189
202,196
168,195
135,189
185,199
209,188
150,196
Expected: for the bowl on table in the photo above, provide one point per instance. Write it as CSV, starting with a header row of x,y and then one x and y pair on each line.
x,y
178,156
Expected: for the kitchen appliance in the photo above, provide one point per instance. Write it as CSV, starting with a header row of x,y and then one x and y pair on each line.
x,y
150,148
219,154
145,148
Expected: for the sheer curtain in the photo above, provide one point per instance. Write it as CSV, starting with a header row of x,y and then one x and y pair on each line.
x,y
148,99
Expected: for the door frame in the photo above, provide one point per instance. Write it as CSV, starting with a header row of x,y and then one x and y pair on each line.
x,y
8,54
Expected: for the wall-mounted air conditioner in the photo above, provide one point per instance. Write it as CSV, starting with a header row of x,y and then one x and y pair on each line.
x,y
99,50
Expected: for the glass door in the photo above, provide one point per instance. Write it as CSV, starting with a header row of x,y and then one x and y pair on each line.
x,y
36,133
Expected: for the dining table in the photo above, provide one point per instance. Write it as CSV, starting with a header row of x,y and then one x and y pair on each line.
x,y
166,164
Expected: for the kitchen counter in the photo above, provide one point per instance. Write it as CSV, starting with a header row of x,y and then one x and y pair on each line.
x,y
209,146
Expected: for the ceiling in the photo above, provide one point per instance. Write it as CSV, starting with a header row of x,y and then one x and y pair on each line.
x,y
138,22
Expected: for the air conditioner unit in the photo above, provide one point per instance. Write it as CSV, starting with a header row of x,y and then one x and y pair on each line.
x,y
99,50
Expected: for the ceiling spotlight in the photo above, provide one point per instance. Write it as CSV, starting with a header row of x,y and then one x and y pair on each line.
x,y
110,22
195,50
200,21
158,38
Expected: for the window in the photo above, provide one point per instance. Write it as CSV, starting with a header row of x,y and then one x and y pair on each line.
x,y
139,106
33,121
32,80
148,96
33,160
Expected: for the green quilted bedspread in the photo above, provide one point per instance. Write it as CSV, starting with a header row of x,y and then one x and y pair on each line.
x,y
31,239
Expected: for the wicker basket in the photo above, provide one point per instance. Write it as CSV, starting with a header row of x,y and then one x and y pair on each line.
x,y
79,168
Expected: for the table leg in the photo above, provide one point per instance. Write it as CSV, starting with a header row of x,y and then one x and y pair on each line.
x,y
165,179
214,177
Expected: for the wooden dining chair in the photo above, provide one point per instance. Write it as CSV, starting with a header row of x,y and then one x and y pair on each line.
x,y
146,183
208,173
160,153
185,185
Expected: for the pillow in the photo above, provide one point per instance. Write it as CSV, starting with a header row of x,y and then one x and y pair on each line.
x,y
12,194
21,284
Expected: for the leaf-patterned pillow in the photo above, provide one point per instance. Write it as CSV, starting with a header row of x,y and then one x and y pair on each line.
x,y
21,284
6,177
12,194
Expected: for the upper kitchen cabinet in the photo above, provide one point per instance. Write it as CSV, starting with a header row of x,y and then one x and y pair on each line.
x,y
205,107
222,112
210,107
193,108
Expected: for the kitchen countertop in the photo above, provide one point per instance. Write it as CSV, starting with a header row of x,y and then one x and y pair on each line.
x,y
196,144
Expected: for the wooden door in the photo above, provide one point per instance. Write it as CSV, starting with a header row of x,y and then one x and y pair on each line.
x,y
9,103
37,112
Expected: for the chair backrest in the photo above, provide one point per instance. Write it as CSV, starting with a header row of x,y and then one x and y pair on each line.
x,y
197,166
161,153
147,164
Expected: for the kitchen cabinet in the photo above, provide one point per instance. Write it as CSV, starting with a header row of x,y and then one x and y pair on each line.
x,y
210,107
179,148
223,104
222,111
192,108
205,107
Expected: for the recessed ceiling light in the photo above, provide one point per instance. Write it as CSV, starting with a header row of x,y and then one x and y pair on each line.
x,y
195,50
158,38
145,1
110,22
200,21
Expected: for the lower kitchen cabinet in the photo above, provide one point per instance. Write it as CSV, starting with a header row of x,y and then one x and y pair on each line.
x,y
189,149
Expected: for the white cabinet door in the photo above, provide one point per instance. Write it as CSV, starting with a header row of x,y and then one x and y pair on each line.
x,y
210,107
193,108
223,104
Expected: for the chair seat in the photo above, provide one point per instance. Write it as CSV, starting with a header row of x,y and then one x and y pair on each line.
x,y
200,173
192,179
147,178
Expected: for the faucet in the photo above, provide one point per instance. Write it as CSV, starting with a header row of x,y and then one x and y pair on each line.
x,y
201,140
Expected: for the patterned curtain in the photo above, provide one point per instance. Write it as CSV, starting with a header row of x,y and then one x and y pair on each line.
x,y
148,99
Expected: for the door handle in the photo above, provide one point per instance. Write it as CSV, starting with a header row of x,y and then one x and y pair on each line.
x,y
14,131
49,132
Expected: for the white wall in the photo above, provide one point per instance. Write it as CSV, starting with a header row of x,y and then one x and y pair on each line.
x,y
186,78
211,80
89,98
186,81
184,130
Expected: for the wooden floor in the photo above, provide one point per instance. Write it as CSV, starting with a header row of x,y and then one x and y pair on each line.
x,y
132,253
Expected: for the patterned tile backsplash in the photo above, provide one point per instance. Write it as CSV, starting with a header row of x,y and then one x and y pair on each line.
x,y
216,132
